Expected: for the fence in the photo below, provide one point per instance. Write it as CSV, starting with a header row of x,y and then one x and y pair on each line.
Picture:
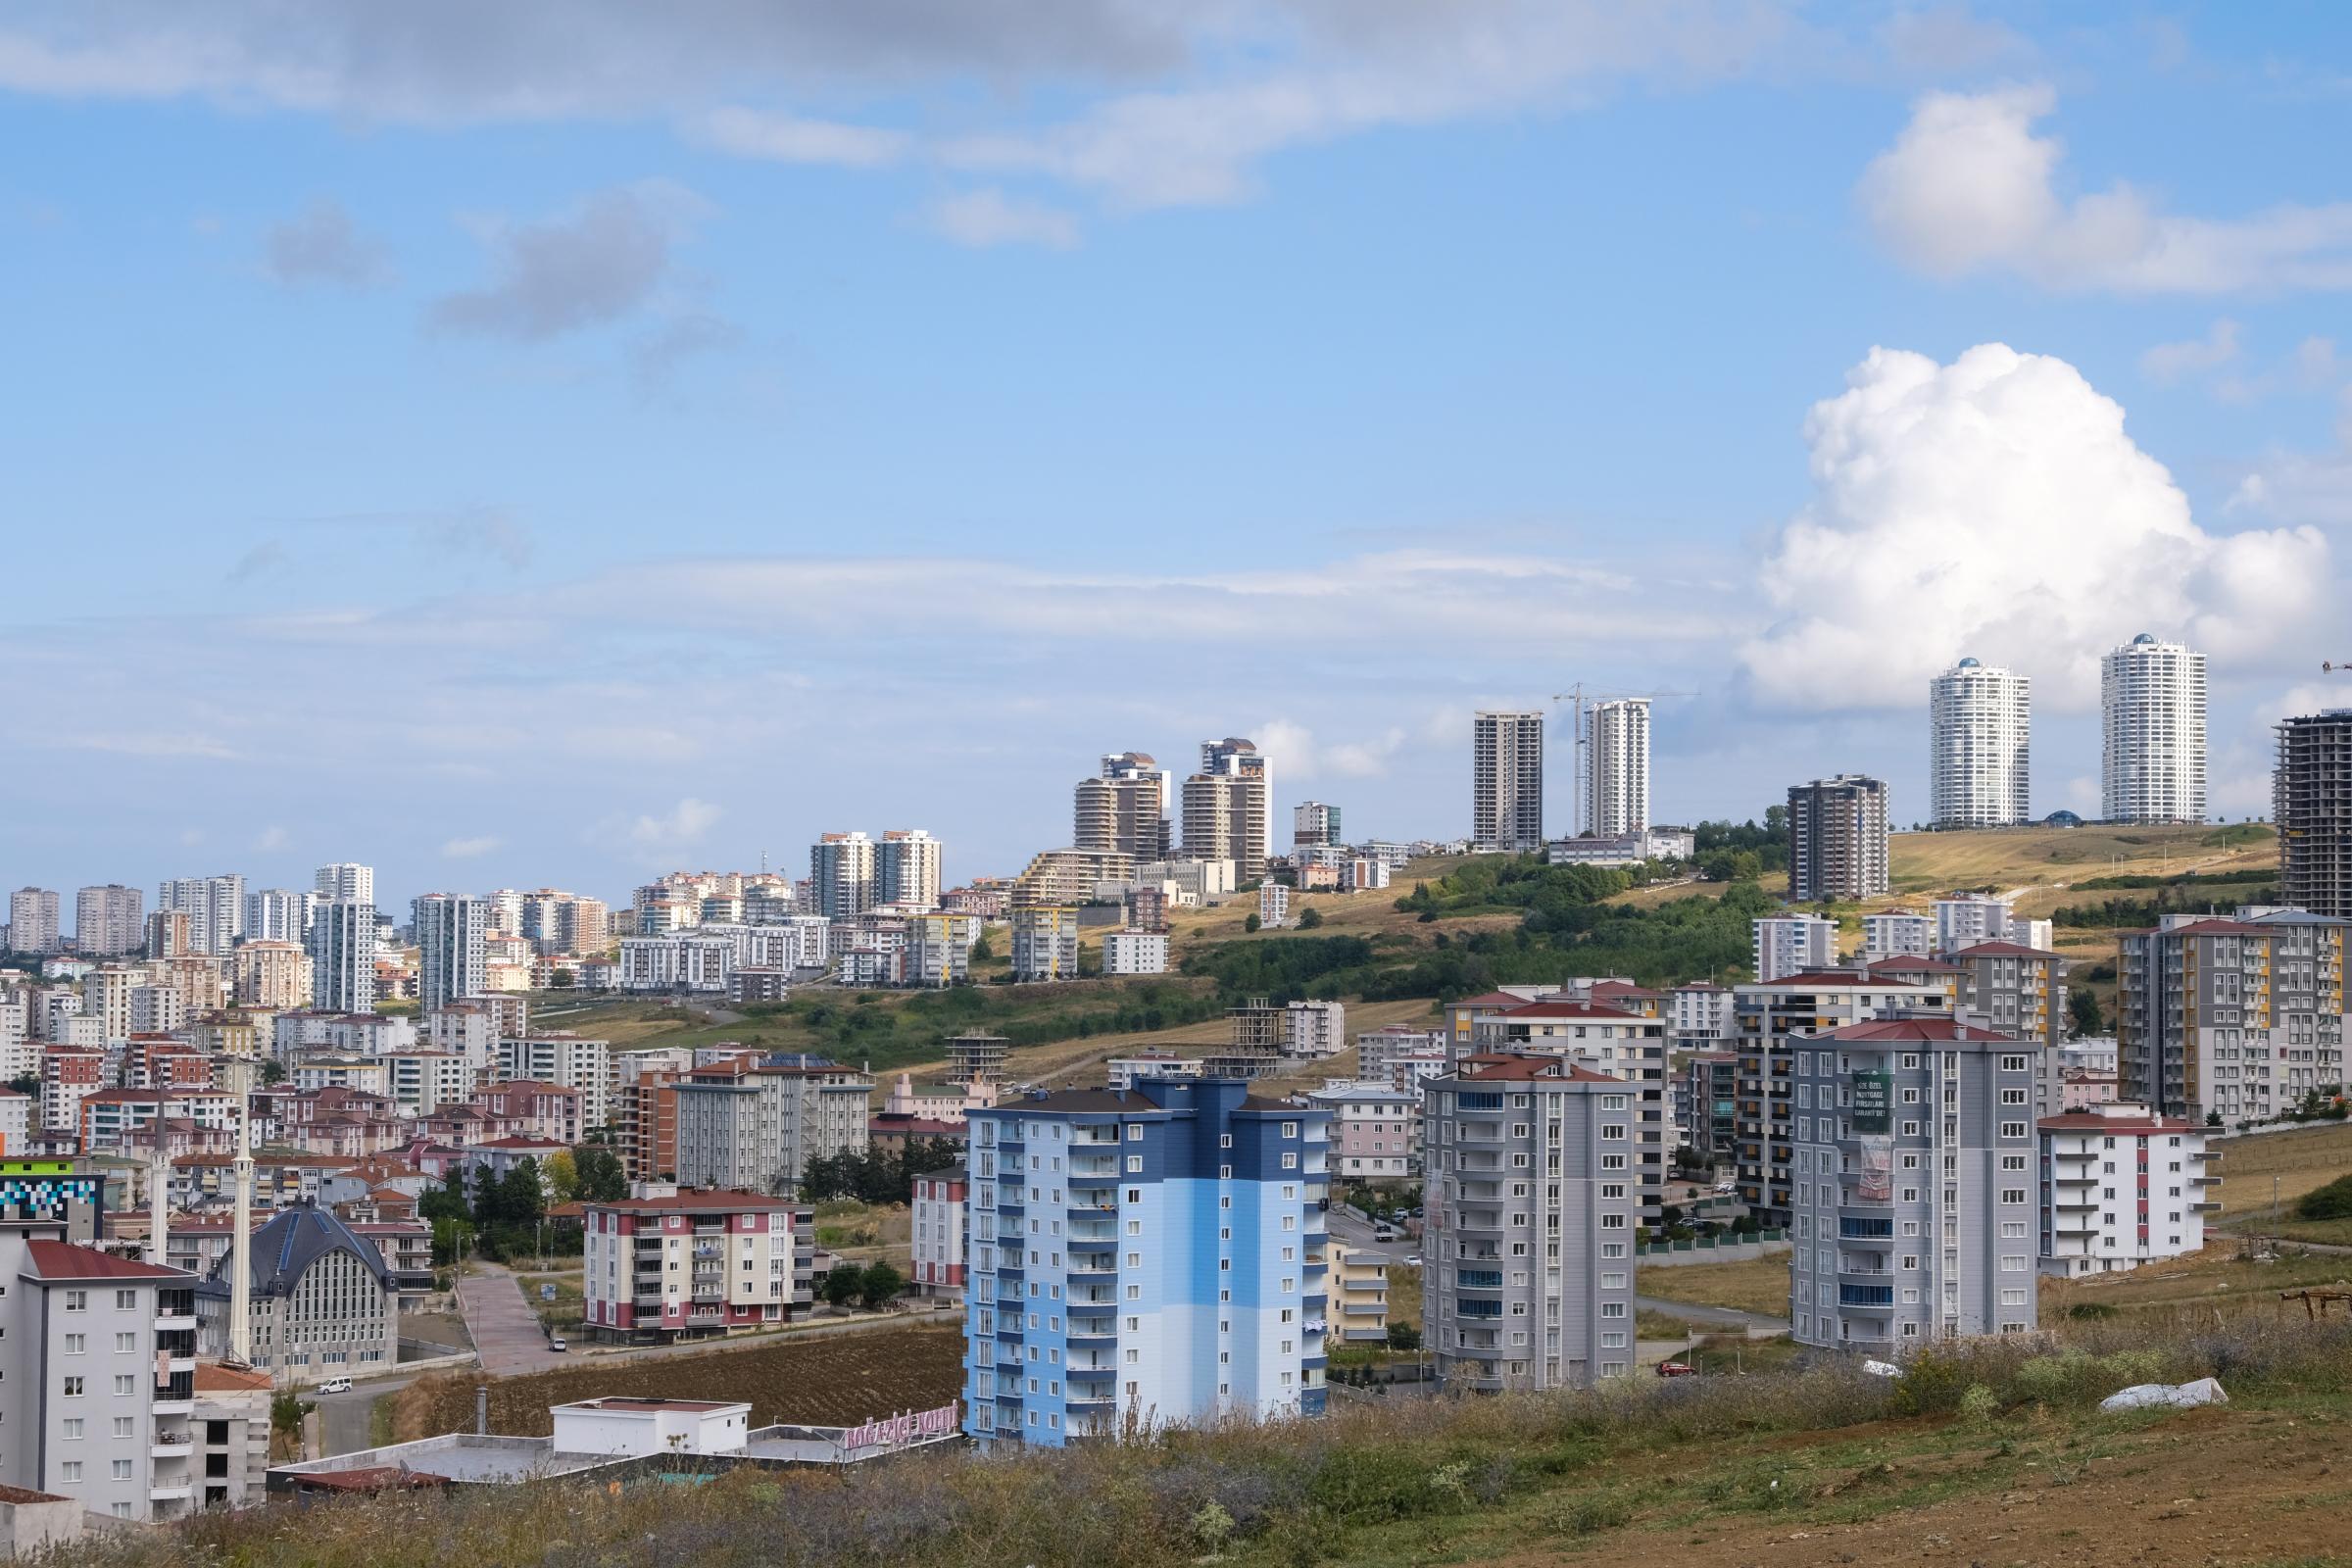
x,y
1713,1249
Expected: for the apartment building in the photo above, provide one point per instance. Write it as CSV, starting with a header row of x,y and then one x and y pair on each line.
x,y
1273,905
571,1061
1898,934
1315,825
32,920
2020,991
1775,1019
97,1373
907,866
1124,808
753,1126
1315,1029
279,914
451,930
1133,952
937,1231
108,921
2310,801
1980,747
1617,767
1532,1202
2231,1021
1791,944
271,974
424,1082
1156,1256
1620,1043
342,952
1709,1102
1359,1295
1045,943
2121,1187
1916,1193
1967,918
1377,1050
1837,839
1227,806
347,881
1375,1129
647,1105
214,906
2152,709
695,1264
974,1058
841,875
1506,781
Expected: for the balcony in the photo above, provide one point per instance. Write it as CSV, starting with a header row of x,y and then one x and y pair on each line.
x,y
1093,1166
171,1492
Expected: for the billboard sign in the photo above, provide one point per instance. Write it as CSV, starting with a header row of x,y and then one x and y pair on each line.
x,y
1874,1101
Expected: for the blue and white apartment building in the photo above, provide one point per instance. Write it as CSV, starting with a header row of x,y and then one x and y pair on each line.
x,y
1150,1257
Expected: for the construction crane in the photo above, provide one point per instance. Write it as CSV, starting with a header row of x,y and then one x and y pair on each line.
x,y
1580,701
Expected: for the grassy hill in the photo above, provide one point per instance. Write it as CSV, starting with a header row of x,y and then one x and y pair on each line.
x,y
1985,1452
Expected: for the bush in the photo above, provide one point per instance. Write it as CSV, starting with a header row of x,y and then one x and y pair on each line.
x,y
1978,1403
2331,1202
1403,1337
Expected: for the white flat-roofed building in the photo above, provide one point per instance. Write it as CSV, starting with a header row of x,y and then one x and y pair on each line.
x,y
1135,953
1315,1030
1898,934
2121,1187
1792,944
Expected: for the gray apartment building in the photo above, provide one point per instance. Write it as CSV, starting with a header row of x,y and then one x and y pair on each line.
x,y
2021,991
2310,801
97,1369
1916,1192
755,1127
2234,1020
1533,1199
1837,839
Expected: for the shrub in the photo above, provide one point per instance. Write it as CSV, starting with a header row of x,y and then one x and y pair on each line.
x,y
2331,1202
1980,1404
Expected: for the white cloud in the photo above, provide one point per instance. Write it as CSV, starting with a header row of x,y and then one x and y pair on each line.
x,y
470,849
1293,751
988,216
2167,362
688,821
1968,187
1995,507
271,838
789,139
320,244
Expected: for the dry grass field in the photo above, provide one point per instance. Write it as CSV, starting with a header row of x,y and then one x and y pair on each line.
x,y
1758,1285
2049,859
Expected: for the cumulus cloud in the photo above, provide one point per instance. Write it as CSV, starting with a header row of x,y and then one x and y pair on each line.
x,y
1296,755
470,849
683,824
1969,187
1996,507
587,269
271,838
656,359
988,216
320,244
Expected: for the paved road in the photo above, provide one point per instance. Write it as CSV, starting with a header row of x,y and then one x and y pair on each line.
x,y
507,1337
1357,1234
1718,1317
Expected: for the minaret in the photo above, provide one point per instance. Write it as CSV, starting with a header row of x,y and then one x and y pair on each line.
x,y
159,1192
240,1232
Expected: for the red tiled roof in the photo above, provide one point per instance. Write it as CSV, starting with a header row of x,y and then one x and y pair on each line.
x,y
1897,1030
62,1261
1910,963
1575,1009
2003,950
214,1376
1492,998
1517,1069
2084,1121
697,1202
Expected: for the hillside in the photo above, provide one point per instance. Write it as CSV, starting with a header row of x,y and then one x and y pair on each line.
x,y
1988,1451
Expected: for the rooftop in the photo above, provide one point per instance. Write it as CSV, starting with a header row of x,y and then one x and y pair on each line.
x,y
64,1260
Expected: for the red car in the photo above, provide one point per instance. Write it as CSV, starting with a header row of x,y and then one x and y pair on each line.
x,y
1676,1369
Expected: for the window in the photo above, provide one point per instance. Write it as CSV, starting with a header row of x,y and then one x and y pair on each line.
x,y
2013,1065
1224,1139
1135,1164
2013,1096
73,1431
72,1387
127,1300
77,1300
121,1469
126,1426
71,1469
1134,1132
76,1343
128,1344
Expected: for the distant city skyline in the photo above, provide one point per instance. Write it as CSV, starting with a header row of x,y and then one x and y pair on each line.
x,y
556,449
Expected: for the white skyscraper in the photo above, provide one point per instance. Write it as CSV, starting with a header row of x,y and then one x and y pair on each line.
x,y
346,879
279,914
450,928
840,871
1506,782
214,906
1979,746
1617,764
342,945
907,868
2152,695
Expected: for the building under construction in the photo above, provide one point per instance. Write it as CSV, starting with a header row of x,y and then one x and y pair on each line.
x,y
2311,798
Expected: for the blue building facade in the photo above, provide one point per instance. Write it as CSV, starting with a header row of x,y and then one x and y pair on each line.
x,y
1143,1259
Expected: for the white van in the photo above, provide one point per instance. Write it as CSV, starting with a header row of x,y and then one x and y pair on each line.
x,y
335,1386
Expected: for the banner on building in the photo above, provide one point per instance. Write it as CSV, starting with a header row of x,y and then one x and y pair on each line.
x,y
1874,1180
1874,1102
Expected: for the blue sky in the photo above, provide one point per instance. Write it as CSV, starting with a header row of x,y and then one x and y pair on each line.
x,y
552,443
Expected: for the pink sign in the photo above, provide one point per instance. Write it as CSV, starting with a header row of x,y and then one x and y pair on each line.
x,y
910,1426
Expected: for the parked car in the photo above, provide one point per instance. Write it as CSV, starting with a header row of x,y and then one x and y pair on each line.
x,y
556,1342
335,1386
1384,1232
1676,1369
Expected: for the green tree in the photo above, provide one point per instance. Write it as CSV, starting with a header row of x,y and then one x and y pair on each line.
x,y
2083,1007
26,1083
879,1286
983,948
842,1285
1310,918
564,979
1403,1337
447,1201
602,1177
274,1071
1251,924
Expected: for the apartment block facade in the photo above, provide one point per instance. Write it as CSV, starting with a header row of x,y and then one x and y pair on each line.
x,y
937,1233
1532,1204
2121,1187
1617,767
695,1264
1124,808
1838,839
1045,943
2152,732
2310,801
754,1127
1916,1194
1155,1257
1980,747
1791,944
1506,782
2231,1019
